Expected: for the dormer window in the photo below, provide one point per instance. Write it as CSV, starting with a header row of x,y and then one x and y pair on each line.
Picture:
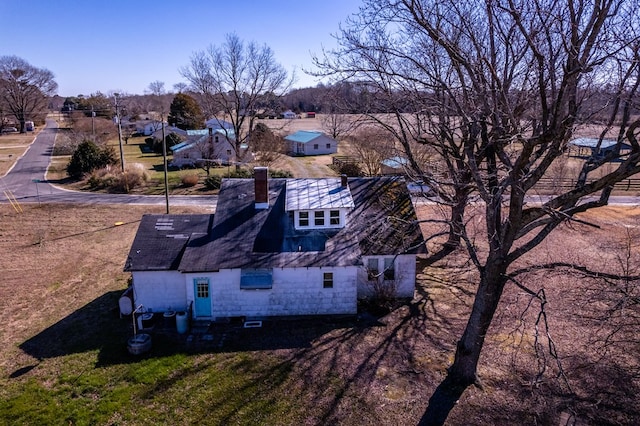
x,y
318,203
303,219
334,217
319,219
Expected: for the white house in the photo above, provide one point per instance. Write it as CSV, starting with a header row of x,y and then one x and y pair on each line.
x,y
210,144
305,142
149,127
218,123
279,247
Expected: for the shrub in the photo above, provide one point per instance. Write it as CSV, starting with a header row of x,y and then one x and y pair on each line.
x,y
190,180
351,170
128,180
102,178
241,174
173,139
280,174
114,180
155,144
88,157
213,182
64,146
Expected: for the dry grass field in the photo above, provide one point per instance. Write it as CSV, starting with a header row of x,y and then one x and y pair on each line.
x,y
12,146
62,356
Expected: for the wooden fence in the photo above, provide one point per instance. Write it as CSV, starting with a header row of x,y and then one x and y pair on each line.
x,y
567,184
341,160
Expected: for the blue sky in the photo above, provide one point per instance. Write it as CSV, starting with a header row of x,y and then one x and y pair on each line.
x,y
123,45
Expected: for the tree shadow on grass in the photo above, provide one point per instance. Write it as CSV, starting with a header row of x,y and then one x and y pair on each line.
x,y
98,326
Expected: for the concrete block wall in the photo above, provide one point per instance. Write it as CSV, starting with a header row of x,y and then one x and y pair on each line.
x,y
159,291
295,291
405,273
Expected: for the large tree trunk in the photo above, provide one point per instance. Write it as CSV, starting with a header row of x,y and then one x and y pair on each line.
x,y
456,228
463,372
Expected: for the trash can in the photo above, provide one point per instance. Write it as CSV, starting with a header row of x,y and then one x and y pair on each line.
x,y
182,322
145,321
169,318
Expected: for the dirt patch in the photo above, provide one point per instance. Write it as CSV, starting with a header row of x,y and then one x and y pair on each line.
x,y
306,167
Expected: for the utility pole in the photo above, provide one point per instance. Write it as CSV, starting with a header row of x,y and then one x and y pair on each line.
x,y
93,123
164,158
115,95
156,88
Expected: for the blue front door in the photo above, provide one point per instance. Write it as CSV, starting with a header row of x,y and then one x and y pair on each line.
x,y
202,294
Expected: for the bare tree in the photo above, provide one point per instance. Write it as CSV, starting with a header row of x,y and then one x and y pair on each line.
x,y
268,147
336,120
24,89
99,130
496,88
232,79
180,87
371,146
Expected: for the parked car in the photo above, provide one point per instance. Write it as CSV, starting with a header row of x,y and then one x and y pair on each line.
x,y
9,130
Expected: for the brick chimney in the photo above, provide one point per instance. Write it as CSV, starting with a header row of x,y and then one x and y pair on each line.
x,y
261,175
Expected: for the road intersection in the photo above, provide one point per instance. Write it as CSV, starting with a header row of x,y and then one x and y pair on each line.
x,y
26,182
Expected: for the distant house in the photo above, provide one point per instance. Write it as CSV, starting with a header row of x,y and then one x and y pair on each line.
x,y
280,247
148,127
304,142
394,166
586,147
216,145
169,129
217,123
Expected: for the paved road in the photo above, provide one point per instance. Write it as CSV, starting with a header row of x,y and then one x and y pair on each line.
x,y
26,181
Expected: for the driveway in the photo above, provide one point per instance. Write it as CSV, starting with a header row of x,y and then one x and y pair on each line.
x,y
26,182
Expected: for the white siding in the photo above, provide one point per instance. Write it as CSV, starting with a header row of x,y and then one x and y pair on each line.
x,y
308,148
321,141
222,151
405,276
159,291
295,291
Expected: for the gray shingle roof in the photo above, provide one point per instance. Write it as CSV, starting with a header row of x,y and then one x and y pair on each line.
x,y
383,222
161,239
